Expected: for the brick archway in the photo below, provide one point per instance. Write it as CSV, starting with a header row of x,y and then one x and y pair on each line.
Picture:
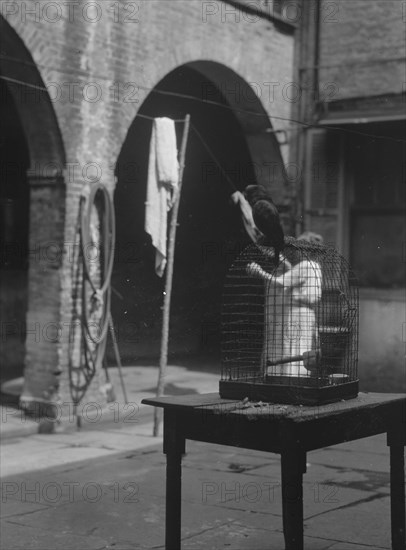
x,y
237,129
33,103
42,182
244,99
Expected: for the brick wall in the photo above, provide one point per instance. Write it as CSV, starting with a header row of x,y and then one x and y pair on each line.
x,y
44,287
364,42
99,61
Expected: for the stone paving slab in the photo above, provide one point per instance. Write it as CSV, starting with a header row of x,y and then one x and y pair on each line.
x,y
353,546
237,536
78,481
374,445
238,491
366,523
360,460
140,521
226,459
16,507
140,382
335,475
15,536
47,451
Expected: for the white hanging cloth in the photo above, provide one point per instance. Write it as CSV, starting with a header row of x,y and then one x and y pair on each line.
x,y
162,185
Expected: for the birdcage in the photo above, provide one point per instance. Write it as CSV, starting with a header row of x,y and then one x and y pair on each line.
x,y
290,331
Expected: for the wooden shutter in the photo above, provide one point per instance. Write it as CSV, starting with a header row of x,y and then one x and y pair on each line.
x,y
322,184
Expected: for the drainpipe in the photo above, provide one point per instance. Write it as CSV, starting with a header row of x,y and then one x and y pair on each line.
x,y
310,49
316,59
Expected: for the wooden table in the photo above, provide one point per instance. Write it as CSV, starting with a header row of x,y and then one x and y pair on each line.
x,y
290,431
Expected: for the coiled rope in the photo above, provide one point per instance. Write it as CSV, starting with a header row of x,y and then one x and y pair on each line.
x,y
96,289
97,245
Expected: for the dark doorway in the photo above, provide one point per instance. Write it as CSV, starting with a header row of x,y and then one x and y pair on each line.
x,y
14,219
209,235
376,166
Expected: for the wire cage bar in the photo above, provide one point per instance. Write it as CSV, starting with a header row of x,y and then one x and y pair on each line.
x,y
290,331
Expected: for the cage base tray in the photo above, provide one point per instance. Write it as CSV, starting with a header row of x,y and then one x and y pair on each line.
x,y
287,391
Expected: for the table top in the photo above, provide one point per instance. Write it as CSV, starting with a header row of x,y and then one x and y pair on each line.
x,y
212,403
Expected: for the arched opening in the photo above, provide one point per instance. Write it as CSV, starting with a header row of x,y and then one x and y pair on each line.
x,y
32,160
38,119
230,150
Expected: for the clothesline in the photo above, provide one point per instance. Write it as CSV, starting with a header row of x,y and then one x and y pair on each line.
x,y
153,118
295,123
205,145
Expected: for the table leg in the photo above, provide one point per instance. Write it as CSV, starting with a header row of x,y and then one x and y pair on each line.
x,y
293,464
397,490
174,448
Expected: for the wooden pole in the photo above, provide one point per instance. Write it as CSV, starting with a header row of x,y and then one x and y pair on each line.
x,y
118,358
168,282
